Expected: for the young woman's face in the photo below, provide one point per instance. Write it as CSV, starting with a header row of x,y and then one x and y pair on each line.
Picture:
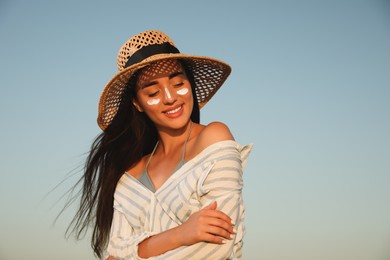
x,y
164,94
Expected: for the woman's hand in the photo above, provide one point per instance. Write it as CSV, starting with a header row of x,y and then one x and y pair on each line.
x,y
207,225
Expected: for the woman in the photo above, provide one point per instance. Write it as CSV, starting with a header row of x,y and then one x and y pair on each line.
x,y
158,184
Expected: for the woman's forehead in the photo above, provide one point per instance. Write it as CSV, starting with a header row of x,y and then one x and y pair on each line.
x,y
159,69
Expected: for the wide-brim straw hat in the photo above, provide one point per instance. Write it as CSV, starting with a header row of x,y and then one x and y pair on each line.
x,y
150,46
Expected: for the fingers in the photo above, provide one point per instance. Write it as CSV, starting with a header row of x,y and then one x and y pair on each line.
x,y
210,225
217,214
215,234
218,227
220,232
214,239
212,206
222,224
216,223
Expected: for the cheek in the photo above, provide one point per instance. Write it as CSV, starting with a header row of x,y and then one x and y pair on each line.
x,y
182,91
152,102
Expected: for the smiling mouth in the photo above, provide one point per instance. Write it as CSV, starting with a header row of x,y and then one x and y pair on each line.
x,y
174,110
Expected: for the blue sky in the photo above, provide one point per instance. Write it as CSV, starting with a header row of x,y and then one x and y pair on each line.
x,y
310,88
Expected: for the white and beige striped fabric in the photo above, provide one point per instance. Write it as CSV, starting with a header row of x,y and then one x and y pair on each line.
x,y
215,174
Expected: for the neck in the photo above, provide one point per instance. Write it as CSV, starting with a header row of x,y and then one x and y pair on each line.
x,y
171,139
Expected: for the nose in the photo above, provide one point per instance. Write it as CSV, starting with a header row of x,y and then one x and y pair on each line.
x,y
169,98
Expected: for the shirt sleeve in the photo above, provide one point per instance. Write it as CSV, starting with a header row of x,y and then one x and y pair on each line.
x,y
123,243
221,181
223,184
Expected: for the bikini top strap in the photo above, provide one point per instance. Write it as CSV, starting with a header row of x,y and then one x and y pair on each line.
x,y
185,142
151,155
184,150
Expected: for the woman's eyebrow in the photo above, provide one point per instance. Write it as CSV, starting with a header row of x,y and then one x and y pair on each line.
x,y
175,74
151,83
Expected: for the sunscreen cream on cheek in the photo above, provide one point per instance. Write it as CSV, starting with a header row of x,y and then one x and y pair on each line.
x,y
152,102
182,91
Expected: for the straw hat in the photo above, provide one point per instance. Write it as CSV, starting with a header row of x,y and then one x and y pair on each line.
x,y
150,46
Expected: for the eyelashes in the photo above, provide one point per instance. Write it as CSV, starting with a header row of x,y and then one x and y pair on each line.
x,y
153,94
154,101
179,84
176,86
182,91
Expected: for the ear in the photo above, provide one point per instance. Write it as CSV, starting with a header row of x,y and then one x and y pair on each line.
x,y
137,106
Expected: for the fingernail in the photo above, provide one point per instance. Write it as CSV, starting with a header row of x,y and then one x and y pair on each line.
x,y
234,231
224,241
231,236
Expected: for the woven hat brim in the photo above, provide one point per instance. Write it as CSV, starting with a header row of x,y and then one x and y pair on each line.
x,y
209,75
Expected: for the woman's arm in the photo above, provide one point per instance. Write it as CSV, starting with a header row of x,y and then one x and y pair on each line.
x,y
206,225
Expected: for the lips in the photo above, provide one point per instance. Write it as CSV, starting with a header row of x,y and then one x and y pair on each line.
x,y
174,112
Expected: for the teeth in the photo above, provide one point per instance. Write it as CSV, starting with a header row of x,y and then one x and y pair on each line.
x,y
174,111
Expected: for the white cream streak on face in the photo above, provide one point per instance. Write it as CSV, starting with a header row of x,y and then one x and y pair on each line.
x,y
167,93
182,91
152,102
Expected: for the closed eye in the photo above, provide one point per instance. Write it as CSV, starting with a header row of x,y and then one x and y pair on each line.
x,y
179,84
153,94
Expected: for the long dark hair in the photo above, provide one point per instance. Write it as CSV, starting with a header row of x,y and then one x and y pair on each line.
x,y
129,137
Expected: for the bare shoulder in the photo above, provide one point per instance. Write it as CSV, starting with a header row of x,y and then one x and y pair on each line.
x,y
213,133
206,135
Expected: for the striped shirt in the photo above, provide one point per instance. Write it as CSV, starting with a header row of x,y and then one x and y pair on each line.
x,y
215,174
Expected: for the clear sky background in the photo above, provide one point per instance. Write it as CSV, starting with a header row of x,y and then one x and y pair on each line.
x,y
310,88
